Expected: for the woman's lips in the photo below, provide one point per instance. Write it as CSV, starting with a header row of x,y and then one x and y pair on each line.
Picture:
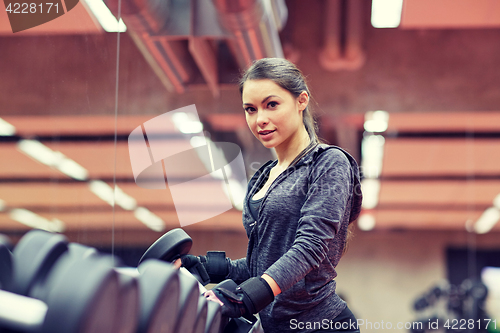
x,y
266,135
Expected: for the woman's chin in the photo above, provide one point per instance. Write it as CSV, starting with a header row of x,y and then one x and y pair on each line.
x,y
268,144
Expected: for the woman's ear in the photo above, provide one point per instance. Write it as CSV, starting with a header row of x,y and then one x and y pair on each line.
x,y
303,100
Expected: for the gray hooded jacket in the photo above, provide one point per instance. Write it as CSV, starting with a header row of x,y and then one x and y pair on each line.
x,y
300,235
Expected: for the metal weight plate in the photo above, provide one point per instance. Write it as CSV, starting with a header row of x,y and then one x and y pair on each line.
x,y
34,256
159,297
128,318
6,263
169,246
188,303
201,315
83,296
81,251
213,318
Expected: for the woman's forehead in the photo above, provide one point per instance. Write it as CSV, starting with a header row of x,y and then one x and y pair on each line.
x,y
261,88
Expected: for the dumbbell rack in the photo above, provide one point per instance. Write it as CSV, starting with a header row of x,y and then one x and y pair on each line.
x,y
48,285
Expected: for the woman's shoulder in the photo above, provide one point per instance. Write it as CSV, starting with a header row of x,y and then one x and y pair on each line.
x,y
325,153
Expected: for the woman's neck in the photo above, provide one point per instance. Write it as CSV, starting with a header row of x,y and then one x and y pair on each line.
x,y
288,150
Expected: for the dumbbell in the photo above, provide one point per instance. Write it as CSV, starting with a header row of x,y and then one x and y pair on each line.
x,y
175,296
177,242
129,298
169,247
72,291
193,314
83,298
150,296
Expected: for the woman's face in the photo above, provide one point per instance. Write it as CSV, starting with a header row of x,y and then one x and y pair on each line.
x,y
273,114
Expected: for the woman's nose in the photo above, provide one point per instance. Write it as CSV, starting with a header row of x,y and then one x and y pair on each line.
x,y
262,119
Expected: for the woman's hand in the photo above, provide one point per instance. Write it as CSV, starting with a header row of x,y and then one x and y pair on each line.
x,y
209,294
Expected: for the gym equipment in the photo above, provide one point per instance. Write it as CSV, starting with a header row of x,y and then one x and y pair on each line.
x,y
200,321
446,304
81,251
159,290
214,318
34,256
5,263
188,303
170,247
129,304
46,272
83,299
57,286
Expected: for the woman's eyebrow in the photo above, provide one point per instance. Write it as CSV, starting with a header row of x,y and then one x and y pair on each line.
x,y
263,101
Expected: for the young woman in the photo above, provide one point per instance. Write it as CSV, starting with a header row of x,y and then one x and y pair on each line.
x,y
296,213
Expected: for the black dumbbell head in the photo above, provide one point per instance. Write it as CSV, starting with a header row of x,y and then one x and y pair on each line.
x,y
159,292
128,318
214,318
34,256
201,315
169,246
82,296
188,302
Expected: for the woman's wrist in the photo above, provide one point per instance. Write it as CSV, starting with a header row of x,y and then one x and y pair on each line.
x,y
274,286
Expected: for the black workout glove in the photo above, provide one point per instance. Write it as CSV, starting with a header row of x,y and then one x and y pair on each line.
x,y
248,298
211,268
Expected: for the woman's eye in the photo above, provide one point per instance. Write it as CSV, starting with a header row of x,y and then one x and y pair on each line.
x,y
249,109
272,104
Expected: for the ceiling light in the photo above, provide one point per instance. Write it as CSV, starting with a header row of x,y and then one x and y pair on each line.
x,y
6,129
372,150
36,221
386,13
149,219
366,222
124,200
106,19
197,141
43,154
490,276
487,220
187,123
102,190
73,169
376,121
37,150
496,202
370,189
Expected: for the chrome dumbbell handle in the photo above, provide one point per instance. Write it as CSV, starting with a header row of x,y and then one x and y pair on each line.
x,y
21,312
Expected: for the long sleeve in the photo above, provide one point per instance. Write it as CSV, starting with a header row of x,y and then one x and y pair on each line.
x,y
322,212
238,270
